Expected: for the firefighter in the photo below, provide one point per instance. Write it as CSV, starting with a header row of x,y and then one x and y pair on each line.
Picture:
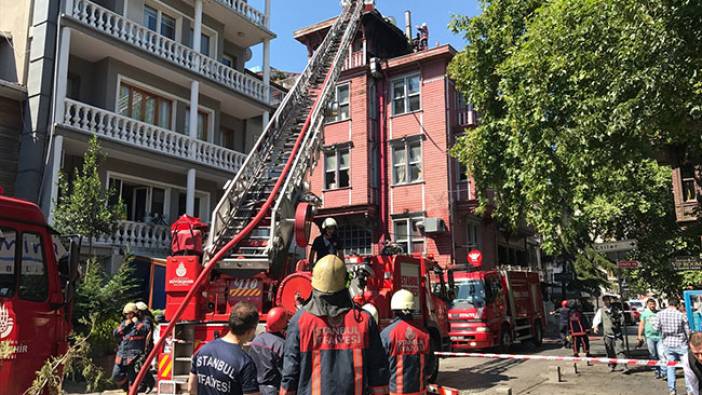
x,y
407,347
131,334
266,350
333,347
145,315
327,243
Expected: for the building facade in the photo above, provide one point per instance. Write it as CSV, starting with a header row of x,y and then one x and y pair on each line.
x,y
386,172
175,116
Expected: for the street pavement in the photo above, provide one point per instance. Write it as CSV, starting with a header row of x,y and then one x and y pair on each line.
x,y
485,376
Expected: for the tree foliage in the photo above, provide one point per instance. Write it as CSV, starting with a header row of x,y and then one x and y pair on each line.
x,y
584,105
83,207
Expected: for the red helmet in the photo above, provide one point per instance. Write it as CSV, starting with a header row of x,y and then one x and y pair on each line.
x,y
564,303
277,320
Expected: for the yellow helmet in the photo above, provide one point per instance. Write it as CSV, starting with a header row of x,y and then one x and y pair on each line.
x,y
129,308
329,274
402,300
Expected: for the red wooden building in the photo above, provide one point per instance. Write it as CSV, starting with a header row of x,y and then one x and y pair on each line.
x,y
386,173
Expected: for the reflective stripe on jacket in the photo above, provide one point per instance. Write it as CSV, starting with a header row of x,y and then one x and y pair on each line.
x,y
409,353
334,356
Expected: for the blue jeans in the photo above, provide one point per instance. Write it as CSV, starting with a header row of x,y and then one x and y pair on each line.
x,y
674,354
653,354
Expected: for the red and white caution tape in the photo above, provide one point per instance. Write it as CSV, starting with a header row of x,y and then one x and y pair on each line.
x,y
441,390
629,362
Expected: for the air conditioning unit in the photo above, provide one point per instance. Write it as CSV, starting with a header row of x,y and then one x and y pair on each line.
x,y
432,225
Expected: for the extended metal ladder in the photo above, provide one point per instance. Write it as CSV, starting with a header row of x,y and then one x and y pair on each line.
x,y
288,148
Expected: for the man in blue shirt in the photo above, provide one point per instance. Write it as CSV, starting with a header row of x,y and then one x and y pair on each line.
x,y
221,366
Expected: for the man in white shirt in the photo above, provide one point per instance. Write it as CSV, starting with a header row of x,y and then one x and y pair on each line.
x,y
611,319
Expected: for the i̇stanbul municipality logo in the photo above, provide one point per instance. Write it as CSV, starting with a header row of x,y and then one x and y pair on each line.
x,y
7,322
181,271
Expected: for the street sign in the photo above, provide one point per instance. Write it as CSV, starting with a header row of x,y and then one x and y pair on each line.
x,y
615,246
475,258
563,277
684,263
628,264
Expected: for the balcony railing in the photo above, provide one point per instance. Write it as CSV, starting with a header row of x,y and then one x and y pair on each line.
x,y
136,35
355,59
138,236
244,9
117,127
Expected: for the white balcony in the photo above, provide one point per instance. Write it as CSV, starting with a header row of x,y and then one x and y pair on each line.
x,y
109,125
138,237
243,8
355,59
137,36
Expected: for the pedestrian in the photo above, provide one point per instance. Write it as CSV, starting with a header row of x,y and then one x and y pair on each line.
x,y
650,335
408,348
563,314
333,347
327,243
131,335
267,349
611,318
692,365
221,366
578,331
673,327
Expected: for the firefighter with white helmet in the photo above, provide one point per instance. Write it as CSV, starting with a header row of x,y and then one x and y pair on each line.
x,y
407,347
327,243
132,336
333,346
267,349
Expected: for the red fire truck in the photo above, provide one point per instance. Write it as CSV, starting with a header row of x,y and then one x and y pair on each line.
x,y
36,289
495,308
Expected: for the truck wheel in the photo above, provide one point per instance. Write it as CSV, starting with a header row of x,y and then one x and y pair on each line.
x,y
538,338
505,340
434,346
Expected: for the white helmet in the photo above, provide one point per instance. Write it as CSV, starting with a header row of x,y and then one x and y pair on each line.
x,y
141,306
402,300
328,223
129,308
372,310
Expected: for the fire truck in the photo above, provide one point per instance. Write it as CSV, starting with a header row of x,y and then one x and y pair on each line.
x,y
495,308
36,290
265,208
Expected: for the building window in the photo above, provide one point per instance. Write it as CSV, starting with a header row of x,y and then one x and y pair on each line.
x,y
355,239
203,124
144,203
145,106
228,60
407,162
336,168
407,234
462,172
687,174
405,95
182,202
33,279
341,97
160,22
205,48
472,235
8,250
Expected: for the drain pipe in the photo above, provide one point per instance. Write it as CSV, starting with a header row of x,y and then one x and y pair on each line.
x,y
382,153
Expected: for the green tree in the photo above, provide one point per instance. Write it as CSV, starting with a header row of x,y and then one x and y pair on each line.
x,y
83,207
583,105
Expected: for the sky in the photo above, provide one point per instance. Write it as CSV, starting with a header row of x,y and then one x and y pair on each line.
x,y
289,15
